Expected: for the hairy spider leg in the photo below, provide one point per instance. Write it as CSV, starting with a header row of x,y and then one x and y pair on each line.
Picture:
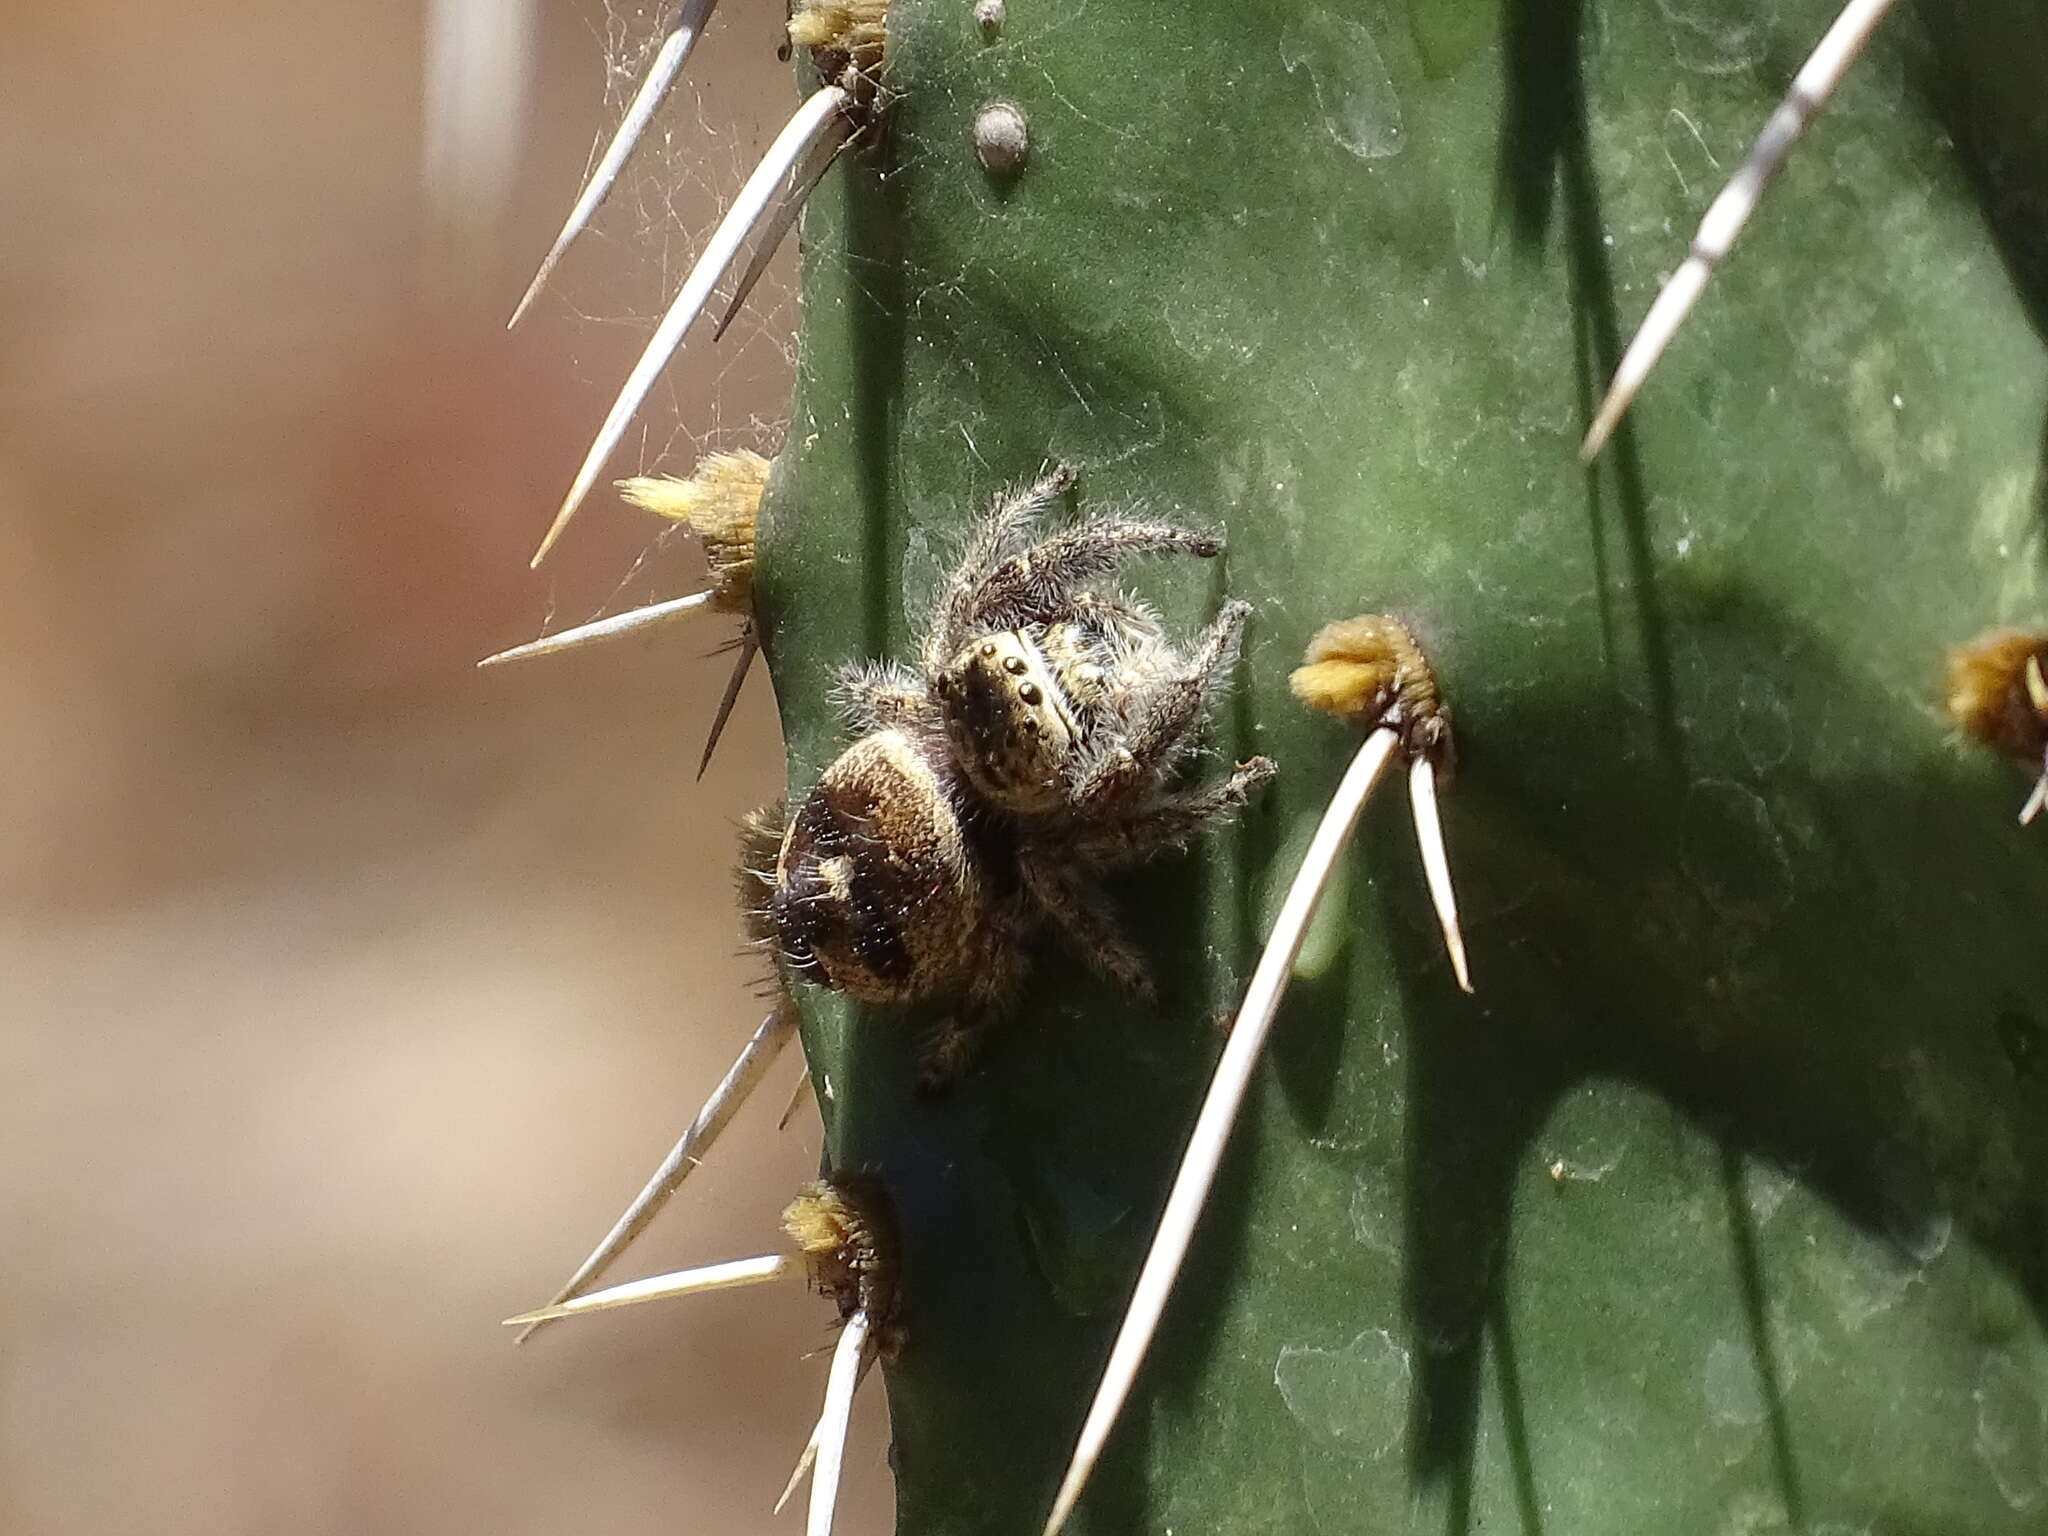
x,y
1065,895
949,1045
1027,586
1170,822
957,620
1166,711
880,695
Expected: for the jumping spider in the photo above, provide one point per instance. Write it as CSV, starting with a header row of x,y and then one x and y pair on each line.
x,y
1028,750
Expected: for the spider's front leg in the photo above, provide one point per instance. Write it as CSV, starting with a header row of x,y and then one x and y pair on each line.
x,y
879,696
1170,822
1038,582
1128,761
956,621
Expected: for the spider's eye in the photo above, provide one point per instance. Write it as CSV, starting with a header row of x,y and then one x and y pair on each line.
x,y
1014,666
1029,692
988,648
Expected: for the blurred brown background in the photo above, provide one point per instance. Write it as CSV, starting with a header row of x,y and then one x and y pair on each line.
x,y
350,992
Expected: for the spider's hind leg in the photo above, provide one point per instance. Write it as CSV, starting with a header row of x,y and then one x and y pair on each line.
x,y
1063,893
950,1045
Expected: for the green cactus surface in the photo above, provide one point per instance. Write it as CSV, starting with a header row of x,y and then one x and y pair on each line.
x,y
1723,1206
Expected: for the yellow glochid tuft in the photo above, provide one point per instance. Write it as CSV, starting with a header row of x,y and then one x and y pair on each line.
x,y
721,503
855,30
1369,671
846,1228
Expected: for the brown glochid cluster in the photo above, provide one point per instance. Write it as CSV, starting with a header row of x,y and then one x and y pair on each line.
x,y
1998,691
843,34
846,1228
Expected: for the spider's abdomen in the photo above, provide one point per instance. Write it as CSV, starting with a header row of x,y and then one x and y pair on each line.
x,y
878,893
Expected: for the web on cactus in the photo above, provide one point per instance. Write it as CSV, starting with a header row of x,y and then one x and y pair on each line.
x,y
630,262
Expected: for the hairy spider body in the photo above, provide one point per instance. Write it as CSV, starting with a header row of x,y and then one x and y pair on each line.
x,y
1029,750
879,891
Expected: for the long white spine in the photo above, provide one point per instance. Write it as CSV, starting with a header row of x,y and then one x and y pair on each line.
x,y
1728,213
745,1074
815,117
681,1282
599,631
1436,863
1219,1114
684,28
834,1422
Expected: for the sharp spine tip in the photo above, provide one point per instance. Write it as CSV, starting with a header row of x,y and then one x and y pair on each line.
x,y
1436,863
734,1089
681,1282
749,649
598,631
2035,801
1730,211
669,58
810,120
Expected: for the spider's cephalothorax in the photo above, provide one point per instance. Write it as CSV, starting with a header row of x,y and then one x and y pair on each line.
x,y
1030,748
